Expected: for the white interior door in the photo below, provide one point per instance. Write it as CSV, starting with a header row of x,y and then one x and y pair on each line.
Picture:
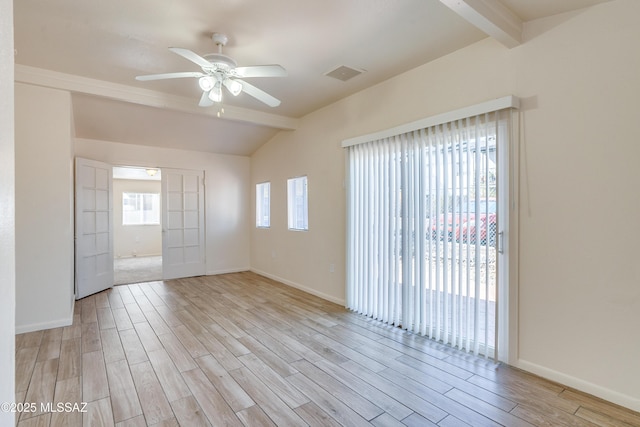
x,y
94,227
183,247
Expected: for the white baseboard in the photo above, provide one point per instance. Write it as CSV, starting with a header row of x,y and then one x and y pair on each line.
x,y
58,323
228,271
580,384
322,295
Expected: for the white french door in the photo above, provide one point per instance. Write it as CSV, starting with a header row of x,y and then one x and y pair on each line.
x,y
183,233
93,227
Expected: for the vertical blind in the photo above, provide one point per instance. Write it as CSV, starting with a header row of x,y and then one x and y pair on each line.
x,y
423,230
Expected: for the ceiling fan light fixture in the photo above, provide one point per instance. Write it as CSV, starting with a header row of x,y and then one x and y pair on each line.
x,y
219,69
234,86
216,93
206,83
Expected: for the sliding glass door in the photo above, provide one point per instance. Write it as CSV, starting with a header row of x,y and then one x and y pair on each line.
x,y
425,230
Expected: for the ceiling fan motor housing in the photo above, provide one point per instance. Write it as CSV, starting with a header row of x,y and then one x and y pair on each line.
x,y
220,62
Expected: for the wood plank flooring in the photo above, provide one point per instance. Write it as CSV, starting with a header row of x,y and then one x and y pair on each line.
x,y
240,349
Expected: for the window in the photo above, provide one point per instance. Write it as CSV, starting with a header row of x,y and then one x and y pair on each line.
x,y
263,196
140,208
297,204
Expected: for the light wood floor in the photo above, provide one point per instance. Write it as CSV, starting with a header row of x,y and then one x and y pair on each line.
x,y
241,349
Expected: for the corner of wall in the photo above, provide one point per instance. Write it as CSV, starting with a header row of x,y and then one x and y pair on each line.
x,y
44,277
50,324
311,291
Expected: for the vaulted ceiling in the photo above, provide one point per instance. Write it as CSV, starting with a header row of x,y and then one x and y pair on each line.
x,y
96,48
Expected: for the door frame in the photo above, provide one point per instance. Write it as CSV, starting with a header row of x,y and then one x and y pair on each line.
x,y
508,260
120,231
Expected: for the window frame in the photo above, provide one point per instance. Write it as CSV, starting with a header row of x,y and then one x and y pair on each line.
x,y
260,205
293,222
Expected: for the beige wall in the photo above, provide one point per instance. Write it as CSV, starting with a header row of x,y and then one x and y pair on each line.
x,y
578,287
134,240
7,213
579,274
44,208
227,191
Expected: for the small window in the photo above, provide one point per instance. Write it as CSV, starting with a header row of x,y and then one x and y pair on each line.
x,y
263,205
140,208
297,203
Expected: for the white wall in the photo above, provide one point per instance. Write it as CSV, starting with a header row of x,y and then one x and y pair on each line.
x,y
226,198
44,208
7,213
579,282
134,240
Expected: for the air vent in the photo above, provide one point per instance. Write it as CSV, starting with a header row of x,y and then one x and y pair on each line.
x,y
343,73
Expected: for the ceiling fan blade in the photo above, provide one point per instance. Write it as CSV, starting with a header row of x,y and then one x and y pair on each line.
x,y
273,70
191,56
259,94
205,101
170,75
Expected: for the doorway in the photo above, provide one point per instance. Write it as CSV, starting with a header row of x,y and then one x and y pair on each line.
x,y
137,222
176,212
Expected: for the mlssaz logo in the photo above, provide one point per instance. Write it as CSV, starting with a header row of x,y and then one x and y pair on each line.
x,y
63,407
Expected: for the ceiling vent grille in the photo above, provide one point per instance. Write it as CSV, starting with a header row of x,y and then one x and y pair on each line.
x,y
343,73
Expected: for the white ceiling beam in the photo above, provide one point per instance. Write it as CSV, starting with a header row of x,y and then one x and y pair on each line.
x,y
118,92
492,17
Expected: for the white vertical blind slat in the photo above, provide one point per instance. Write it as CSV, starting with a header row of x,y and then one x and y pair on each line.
x,y
406,213
468,316
386,240
476,323
446,242
487,173
422,215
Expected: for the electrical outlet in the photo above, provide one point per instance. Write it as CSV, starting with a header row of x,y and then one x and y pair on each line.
x,y
332,268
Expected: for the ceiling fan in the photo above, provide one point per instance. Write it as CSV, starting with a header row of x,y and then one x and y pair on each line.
x,y
220,70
